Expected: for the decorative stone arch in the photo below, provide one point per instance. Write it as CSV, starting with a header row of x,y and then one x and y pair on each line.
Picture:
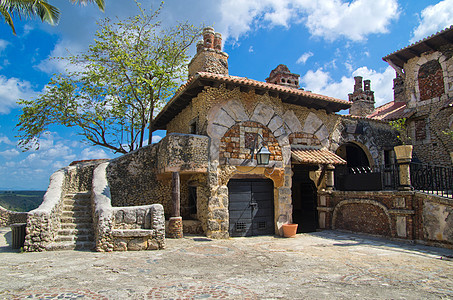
x,y
365,215
362,147
314,125
225,115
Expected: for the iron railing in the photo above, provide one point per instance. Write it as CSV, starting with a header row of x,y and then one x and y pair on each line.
x,y
432,179
384,177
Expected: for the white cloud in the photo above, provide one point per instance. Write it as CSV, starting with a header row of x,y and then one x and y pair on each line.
x,y
63,48
3,45
251,49
304,57
434,18
6,140
321,82
156,139
11,90
329,19
10,153
92,153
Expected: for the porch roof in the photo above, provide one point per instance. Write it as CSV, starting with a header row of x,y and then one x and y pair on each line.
x,y
315,156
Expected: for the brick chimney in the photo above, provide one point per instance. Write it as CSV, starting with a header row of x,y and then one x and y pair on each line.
x,y
282,76
362,99
209,57
399,89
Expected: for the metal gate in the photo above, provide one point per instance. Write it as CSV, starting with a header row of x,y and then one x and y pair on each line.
x,y
251,207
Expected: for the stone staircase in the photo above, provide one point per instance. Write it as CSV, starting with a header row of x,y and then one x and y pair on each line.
x,y
76,224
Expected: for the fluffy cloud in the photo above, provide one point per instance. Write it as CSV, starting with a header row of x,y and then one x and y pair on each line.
x,y
11,90
321,82
3,45
304,57
433,18
93,153
10,153
329,19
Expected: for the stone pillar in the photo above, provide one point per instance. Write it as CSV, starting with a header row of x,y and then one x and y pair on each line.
x,y
330,182
175,229
403,159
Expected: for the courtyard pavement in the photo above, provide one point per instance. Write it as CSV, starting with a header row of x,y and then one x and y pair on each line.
x,y
320,265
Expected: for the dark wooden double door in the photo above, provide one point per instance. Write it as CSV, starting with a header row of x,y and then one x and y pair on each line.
x,y
251,207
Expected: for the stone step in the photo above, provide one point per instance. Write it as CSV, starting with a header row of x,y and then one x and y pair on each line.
x,y
78,195
74,202
73,238
70,246
76,207
74,231
78,213
87,225
76,219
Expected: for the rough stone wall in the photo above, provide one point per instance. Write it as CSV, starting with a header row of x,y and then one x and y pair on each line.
x,y
209,60
124,228
143,177
404,215
133,180
428,86
8,217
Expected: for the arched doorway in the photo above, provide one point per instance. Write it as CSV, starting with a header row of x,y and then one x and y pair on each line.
x,y
304,199
354,155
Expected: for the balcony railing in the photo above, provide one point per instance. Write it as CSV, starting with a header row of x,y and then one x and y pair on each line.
x,y
432,179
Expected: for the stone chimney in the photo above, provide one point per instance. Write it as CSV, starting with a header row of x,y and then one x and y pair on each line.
x,y
209,57
282,76
362,99
398,89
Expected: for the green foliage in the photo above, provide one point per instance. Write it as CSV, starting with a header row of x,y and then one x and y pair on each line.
x,y
400,126
116,86
35,8
21,200
448,132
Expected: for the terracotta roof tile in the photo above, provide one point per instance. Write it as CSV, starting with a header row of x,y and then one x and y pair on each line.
x,y
269,86
391,111
316,156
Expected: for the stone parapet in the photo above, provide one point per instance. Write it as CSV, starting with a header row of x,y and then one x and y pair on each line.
x,y
124,228
407,215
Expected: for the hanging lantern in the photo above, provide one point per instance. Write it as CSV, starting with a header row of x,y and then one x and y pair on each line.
x,y
263,156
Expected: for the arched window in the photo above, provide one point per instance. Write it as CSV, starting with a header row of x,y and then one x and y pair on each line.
x,y
430,80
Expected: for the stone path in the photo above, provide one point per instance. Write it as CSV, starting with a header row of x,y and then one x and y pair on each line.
x,y
321,265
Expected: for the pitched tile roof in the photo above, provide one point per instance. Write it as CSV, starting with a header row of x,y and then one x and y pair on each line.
x,y
391,111
315,156
196,84
432,42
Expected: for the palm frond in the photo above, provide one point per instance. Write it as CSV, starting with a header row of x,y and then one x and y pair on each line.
x,y
7,18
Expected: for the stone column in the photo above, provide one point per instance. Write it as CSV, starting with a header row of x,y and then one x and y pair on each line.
x,y
175,223
403,159
330,182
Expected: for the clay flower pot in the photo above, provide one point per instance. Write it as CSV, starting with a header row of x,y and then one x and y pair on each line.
x,y
289,230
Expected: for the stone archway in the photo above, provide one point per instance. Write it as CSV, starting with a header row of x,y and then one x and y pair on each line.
x,y
367,216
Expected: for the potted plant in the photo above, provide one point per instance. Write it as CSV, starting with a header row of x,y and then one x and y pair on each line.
x,y
403,152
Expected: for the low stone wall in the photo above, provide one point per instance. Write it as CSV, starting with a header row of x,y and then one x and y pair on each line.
x,y
404,215
44,222
124,228
8,217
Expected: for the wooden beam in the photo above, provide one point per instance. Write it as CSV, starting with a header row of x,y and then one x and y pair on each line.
x,y
175,194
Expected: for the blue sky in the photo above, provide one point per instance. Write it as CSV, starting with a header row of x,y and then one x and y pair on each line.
x,y
327,42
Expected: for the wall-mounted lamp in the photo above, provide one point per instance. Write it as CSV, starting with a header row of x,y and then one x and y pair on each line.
x,y
263,155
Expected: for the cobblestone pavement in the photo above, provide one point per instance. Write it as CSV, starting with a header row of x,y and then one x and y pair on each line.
x,y
320,265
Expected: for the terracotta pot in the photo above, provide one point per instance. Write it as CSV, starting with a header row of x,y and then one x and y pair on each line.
x,y
289,230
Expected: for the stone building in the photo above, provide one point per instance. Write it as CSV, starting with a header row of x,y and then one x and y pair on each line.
x,y
423,94
206,168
